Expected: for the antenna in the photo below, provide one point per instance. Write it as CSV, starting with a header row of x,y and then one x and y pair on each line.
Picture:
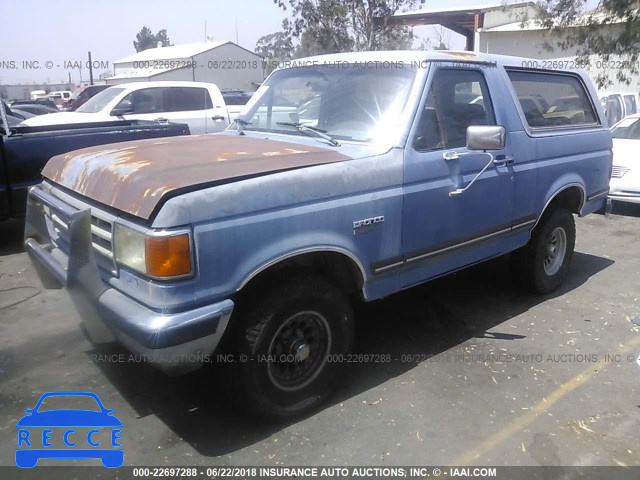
x,y
237,30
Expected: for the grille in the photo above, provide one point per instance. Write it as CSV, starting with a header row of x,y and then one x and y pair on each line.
x,y
101,230
619,172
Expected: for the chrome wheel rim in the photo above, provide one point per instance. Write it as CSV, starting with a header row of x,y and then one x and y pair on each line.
x,y
555,251
298,350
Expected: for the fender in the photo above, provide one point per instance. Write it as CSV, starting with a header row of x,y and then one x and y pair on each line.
x,y
302,251
576,181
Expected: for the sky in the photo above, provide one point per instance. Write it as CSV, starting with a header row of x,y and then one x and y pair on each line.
x,y
63,32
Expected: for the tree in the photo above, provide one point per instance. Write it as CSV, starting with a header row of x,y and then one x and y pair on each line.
x,y
329,26
145,39
274,48
440,39
163,38
610,34
371,31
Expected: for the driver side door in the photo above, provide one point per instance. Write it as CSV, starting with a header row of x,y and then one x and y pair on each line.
x,y
442,231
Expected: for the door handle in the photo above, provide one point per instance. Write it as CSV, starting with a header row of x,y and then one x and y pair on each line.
x,y
448,156
502,160
162,120
218,118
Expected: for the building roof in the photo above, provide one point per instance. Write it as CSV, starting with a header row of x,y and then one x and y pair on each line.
x,y
530,25
185,51
475,7
141,73
464,18
516,27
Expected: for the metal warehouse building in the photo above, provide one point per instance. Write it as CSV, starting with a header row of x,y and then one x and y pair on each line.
x,y
224,63
506,28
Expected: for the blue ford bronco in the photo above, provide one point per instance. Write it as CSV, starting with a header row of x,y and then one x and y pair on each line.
x,y
348,177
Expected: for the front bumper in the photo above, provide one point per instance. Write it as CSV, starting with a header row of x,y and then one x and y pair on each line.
x,y
173,342
625,197
626,189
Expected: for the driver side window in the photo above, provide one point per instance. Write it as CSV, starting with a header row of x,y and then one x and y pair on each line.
x,y
146,100
457,99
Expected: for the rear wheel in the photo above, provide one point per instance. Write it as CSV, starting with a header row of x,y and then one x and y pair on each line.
x,y
544,262
283,344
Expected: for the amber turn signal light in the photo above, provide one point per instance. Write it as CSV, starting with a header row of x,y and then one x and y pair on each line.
x,y
168,256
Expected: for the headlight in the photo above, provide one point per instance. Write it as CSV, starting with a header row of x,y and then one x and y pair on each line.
x,y
163,256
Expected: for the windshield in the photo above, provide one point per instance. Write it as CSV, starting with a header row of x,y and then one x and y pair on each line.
x,y
348,103
100,100
629,128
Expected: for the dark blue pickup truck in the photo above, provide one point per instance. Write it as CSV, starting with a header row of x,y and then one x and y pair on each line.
x,y
25,150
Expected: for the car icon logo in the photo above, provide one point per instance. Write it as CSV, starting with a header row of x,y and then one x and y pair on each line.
x,y
66,433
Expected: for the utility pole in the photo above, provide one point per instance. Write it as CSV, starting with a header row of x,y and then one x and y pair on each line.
x,y
90,70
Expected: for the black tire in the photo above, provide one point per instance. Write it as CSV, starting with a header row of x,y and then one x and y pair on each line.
x,y
304,315
534,265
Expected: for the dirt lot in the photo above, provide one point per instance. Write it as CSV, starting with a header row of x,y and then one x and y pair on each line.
x,y
512,379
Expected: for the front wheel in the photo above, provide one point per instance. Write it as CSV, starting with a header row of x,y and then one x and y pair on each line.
x,y
544,262
285,340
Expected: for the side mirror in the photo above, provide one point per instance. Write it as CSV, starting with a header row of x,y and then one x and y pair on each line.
x,y
124,107
485,137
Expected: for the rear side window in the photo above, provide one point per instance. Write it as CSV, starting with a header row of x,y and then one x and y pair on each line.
x,y
457,100
186,99
553,100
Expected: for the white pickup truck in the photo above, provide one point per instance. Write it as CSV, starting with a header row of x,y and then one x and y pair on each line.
x,y
199,105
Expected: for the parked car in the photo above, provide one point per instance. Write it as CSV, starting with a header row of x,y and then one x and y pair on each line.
x,y
17,113
199,105
235,101
37,94
38,101
35,108
25,150
257,241
81,95
21,114
14,121
619,105
60,98
625,175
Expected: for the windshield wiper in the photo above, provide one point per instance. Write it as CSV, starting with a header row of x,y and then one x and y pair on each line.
x,y
241,122
306,128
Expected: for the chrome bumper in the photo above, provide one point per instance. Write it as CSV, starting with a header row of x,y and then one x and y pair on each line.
x,y
174,342
628,197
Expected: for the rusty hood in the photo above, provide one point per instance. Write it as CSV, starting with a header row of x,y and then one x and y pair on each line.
x,y
135,176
